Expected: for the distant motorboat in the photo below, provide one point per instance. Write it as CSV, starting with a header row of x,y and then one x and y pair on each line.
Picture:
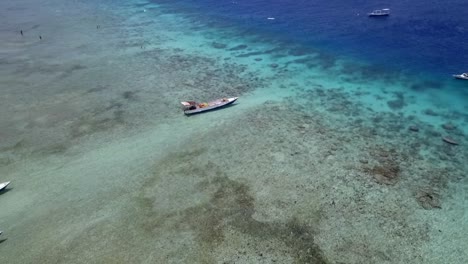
x,y
463,76
379,12
3,185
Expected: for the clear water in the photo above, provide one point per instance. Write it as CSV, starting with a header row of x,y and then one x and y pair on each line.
x,y
334,153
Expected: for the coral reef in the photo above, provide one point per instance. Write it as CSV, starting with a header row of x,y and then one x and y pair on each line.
x,y
428,199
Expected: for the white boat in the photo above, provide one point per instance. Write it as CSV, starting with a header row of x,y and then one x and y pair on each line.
x,y
463,76
3,185
1,232
192,107
379,12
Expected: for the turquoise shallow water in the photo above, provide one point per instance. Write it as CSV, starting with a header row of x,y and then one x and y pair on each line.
x,y
316,163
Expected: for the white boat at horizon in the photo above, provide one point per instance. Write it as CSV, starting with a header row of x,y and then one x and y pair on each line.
x,y
379,12
463,76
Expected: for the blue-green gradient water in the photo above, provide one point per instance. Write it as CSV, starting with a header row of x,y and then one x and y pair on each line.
x,y
417,36
348,143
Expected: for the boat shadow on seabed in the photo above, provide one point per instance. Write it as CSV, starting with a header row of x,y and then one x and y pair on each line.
x,y
2,192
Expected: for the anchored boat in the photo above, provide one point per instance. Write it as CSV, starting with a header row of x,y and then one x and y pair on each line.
x,y
379,12
192,107
463,76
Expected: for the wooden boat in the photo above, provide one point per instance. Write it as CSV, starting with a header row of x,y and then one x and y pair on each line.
x,y
379,12
463,76
192,107
3,185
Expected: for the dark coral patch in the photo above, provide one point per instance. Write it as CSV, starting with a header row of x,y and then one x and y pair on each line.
x,y
218,45
230,206
129,95
387,173
397,103
428,199
238,47
387,170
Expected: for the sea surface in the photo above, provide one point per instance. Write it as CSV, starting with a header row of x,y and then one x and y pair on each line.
x,y
348,143
427,36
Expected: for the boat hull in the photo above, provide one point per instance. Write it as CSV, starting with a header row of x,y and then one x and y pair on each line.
x,y
378,15
3,185
460,77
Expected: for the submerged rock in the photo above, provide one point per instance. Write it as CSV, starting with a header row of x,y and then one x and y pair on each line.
x,y
448,126
428,199
449,140
430,112
396,104
239,47
218,45
386,173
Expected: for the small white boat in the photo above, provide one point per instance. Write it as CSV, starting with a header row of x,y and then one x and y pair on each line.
x,y
3,185
192,107
379,12
1,232
463,76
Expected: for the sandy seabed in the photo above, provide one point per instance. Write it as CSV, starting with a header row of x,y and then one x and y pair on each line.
x,y
321,160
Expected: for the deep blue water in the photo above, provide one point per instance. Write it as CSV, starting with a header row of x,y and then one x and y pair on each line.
x,y
420,36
